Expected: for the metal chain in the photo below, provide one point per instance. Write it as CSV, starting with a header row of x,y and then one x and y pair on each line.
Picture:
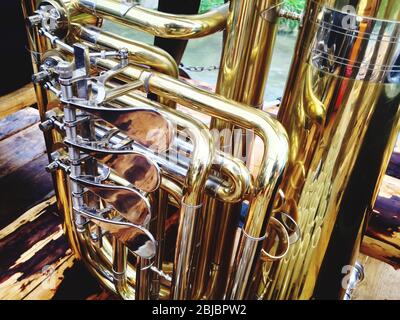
x,y
199,68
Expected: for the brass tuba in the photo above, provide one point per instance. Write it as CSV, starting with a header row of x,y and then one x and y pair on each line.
x,y
152,173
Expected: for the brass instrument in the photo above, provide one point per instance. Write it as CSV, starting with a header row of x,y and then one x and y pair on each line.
x,y
152,195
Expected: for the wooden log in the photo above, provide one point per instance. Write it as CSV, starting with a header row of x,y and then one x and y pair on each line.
x,y
17,100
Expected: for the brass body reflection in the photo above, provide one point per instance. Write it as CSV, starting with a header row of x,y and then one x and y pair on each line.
x,y
341,110
136,238
151,130
130,203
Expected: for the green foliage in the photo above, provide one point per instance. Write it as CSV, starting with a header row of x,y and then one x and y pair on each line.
x,y
207,5
285,25
295,5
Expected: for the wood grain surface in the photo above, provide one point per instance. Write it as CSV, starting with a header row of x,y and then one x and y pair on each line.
x,y
23,180
17,100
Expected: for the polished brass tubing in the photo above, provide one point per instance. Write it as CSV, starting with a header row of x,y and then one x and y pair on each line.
x,y
190,219
341,111
103,262
246,59
194,185
273,163
240,182
237,181
274,155
140,53
157,23
97,258
248,49
236,188
157,227
159,60
172,188
273,137
275,148
120,254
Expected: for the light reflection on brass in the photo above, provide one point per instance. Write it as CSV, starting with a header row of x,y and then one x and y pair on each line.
x,y
131,204
139,170
136,238
341,109
146,126
157,23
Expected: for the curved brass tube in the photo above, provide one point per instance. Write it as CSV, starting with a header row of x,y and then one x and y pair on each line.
x,y
140,53
275,156
101,264
272,134
144,54
198,172
110,259
245,64
157,23
172,188
202,157
120,254
238,174
190,219
240,180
